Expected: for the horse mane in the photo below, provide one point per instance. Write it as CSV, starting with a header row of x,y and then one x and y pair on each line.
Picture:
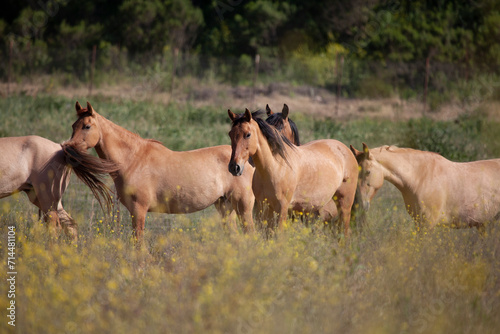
x,y
85,113
91,170
276,120
276,140
394,148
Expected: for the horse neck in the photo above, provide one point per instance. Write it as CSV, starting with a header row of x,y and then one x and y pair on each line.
x,y
264,159
400,168
117,144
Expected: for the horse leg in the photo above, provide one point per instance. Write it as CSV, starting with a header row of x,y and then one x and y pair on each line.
x,y
46,210
68,223
243,205
329,213
53,223
344,198
282,211
223,206
138,221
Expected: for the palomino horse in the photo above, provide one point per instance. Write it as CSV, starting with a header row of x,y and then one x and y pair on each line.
x,y
150,177
37,166
289,129
435,190
303,178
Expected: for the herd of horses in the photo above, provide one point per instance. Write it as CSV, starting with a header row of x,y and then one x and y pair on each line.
x,y
265,173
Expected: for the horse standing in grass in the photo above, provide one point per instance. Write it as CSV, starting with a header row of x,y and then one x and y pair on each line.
x,y
150,177
289,129
435,190
303,178
37,166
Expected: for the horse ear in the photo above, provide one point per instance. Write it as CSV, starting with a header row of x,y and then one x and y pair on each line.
x,y
268,110
78,108
357,154
366,151
248,115
355,151
90,109
284,112
232,115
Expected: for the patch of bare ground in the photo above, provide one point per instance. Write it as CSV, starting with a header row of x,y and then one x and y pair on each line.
x,y
304,99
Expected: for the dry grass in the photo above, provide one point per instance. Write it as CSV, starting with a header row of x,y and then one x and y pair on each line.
x,y
306,100
195,277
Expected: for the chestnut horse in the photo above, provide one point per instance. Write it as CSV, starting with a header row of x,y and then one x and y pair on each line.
x,y
303,178
37,166
435,190
150,177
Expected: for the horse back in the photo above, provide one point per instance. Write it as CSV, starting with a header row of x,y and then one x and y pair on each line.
x,y
325,166
333,152
180,181
27,160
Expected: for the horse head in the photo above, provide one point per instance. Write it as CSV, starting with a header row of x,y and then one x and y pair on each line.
x,y
244,143
283,123
371,175
86,132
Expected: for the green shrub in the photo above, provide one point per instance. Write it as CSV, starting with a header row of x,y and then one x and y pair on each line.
x,y
374,88
458,141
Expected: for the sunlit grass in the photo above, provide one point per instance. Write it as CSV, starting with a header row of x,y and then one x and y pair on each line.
x,y
196,277
193,276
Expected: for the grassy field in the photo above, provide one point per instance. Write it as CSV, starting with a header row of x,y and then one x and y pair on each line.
x,y
198,278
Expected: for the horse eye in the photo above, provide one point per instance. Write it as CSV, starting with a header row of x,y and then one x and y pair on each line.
x,y
247,135
86,127
368,172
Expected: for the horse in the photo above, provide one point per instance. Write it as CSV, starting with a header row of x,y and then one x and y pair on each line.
x,y
37,166
289,129
149,177
435,190
283,124
303,178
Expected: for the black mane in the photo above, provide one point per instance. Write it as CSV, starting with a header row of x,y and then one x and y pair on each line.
x,y
276,120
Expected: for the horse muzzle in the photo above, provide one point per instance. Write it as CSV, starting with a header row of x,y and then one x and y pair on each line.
x,y
235,168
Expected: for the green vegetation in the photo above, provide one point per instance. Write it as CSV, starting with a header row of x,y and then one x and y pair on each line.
x,y
469,137
379,46
198,278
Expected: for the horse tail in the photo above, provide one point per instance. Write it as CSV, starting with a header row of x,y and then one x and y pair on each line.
x,y
91,170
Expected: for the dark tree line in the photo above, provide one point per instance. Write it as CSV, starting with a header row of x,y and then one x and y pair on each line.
x,y
380,30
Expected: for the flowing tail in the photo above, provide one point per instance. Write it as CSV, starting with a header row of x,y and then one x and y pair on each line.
x,y
91,170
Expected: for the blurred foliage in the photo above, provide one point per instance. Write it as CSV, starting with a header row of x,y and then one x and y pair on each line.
x,y
404,30
371,48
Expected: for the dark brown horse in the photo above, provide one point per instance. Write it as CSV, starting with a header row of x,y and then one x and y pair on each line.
x,y
150,177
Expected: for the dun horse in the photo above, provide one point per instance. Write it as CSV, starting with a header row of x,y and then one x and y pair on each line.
x,y
289,129
150,177
303,178
37,166
435,190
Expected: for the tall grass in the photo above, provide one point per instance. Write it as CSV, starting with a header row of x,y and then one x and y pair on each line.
x,y
196,277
